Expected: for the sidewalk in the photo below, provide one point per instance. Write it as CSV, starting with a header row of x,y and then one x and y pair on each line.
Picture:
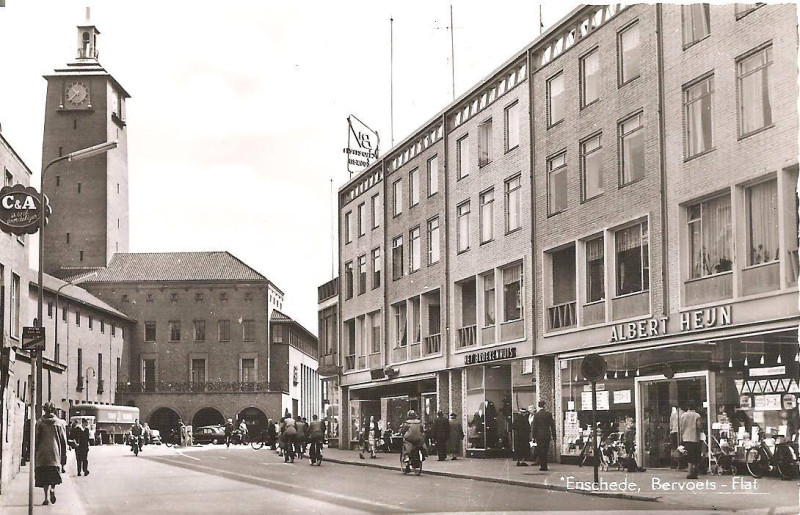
x,y
14,500
733,493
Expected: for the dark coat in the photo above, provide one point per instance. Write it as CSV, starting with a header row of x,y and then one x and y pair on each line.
x,y
51,442
522,431
456,436
543,428
81,437
441,430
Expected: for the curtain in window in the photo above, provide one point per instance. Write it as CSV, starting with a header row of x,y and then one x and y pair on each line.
x,y
630,53
488,299
763,222
756,98
713,254
629,238
591,72
695,22
594,270
401,326
512,293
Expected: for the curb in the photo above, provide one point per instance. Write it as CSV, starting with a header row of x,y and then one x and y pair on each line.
x,y
513,482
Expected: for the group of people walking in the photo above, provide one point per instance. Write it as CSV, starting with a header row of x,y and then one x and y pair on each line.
x,y
52,440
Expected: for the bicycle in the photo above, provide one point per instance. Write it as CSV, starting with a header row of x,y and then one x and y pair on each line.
x,y
761,460
172,439
413,461
315,452
262,440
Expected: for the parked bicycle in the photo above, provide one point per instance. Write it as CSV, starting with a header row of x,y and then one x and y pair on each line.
x,y
172,439
784,460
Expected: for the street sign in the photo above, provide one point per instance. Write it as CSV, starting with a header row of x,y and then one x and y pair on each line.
x,y
593,367
20,209
33,338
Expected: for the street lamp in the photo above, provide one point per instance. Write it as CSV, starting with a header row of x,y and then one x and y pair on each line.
x,y
36,364
75,281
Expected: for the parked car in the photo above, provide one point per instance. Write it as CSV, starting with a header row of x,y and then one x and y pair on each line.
x,y
155,437
209,434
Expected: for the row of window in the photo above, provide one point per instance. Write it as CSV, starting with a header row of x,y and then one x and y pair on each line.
x,y
512,192
248,371
198,297
199,330
511,115
79,317
696,20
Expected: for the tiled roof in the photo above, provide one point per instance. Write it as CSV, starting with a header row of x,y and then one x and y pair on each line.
x,y
76,293
175,266
277,316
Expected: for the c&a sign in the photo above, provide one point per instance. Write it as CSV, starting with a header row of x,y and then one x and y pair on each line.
x,y
362,145
20,209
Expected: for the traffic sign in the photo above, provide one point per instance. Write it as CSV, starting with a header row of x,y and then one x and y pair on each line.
x,y
33,338
593,367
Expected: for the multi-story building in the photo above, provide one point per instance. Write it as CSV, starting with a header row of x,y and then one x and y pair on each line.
x,y
328,352
624,185
199,351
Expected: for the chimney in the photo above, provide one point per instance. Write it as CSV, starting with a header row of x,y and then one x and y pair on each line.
x,y
88,15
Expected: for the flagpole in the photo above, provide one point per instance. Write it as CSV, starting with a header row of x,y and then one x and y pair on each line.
x,y
391,77
452,53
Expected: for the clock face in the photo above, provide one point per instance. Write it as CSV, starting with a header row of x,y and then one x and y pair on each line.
x,y
77,93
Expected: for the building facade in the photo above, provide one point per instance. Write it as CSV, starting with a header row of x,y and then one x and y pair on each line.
x,y
625,185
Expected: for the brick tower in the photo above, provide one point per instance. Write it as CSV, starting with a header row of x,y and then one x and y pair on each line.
x,y
85,106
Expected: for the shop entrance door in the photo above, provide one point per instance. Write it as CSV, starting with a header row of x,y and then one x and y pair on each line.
x,y
656,399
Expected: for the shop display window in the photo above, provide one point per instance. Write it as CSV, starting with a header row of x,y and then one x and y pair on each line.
x,y
489,406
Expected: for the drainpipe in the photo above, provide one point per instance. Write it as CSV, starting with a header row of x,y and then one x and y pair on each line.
x,y
662,162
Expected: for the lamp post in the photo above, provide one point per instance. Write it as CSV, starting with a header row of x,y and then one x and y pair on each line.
x,y
55,317
36,364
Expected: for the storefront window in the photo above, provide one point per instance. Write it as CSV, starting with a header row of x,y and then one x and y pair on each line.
x,y
489,406
746,390
360,411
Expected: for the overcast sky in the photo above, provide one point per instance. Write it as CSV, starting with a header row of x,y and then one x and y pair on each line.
x,y
238,115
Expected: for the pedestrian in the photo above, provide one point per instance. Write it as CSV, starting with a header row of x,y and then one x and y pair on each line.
x,y
543,431
50,452
455,438
147,433
228,432
373,435
362,438
522,431
676,459
691,426
65,429
271,434
289,431
184,435
316,435
441,433
302,437
81,437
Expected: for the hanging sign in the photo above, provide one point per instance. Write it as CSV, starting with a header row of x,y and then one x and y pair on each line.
x,y
20,209
362,145
768,371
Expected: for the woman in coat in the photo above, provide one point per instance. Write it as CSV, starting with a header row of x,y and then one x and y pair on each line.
x,y
81,436
373,435
51,452
455,438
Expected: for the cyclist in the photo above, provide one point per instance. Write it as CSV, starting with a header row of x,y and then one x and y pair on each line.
x,y
228,432
137,430
413,435
316,434
289,432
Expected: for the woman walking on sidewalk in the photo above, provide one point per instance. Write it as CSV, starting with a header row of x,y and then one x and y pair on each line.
x,y
455,438
51,452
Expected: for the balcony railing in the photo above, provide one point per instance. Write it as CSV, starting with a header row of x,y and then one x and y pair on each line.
x,y
467,336
362,362
433,343
328,290
562,316
196,387
414,351
350,362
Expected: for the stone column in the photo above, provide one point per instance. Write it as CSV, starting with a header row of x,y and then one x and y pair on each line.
x,y
458,402
443,392
544,370
344,418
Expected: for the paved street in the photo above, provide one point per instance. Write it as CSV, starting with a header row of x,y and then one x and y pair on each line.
x,y
213,479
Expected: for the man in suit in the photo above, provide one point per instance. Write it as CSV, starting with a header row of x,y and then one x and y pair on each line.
x,y
543,430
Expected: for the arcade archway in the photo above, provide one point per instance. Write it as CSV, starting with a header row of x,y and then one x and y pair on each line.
x,y
207,417
165,420
255,419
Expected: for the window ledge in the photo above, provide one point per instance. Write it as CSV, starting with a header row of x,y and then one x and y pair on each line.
x,y
487,242
718,274
462,252
623,185
630,294
590,104
601,301
550,215
625,83
699,154
512,231
556,124
757,131
687,46
592,198
509,150
760,265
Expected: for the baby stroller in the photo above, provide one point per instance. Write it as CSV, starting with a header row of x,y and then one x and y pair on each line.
x,y
612,452
721,458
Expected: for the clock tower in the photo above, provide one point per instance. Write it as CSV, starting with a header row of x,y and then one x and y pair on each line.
x,y
85,106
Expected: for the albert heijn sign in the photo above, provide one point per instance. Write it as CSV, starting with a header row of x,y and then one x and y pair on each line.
x,y
20,209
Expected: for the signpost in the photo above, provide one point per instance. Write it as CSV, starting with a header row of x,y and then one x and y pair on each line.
x,y
593,368
33,338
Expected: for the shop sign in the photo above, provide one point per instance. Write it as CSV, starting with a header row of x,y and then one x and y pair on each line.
x,y
362,145
767,402
654,327
789,401
490,355
20,209
768,371
622,396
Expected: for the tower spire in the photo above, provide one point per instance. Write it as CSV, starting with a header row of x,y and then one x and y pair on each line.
x,y
87,38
